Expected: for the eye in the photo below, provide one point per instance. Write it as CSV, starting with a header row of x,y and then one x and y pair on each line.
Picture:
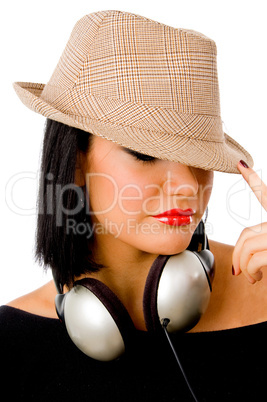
x,y
140,157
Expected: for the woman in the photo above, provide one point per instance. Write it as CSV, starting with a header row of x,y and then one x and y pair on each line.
x,y
132,139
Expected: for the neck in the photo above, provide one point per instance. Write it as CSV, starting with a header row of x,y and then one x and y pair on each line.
x,y
125,272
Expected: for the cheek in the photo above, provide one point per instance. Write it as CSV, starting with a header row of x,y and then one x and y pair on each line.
x,y
205,191
103,191
130,198
116,196
144,199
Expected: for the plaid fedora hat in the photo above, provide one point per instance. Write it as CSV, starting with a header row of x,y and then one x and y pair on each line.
x,y
141,84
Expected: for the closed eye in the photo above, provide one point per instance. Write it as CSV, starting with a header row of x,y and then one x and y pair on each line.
x,y
139,156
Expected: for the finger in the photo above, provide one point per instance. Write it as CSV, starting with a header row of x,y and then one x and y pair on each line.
x,y
251,246
258,187
257,262
246,234
237,253
249,278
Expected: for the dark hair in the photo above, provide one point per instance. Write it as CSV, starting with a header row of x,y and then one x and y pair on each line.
x,y
62,207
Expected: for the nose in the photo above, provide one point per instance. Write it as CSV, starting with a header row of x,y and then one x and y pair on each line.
x,y
180,180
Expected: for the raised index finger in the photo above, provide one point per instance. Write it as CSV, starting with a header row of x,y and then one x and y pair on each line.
x,y
254,182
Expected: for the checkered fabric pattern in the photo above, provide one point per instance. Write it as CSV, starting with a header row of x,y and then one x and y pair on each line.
x,y
143,85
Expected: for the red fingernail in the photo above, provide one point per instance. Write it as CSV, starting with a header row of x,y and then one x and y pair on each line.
x,y
244,164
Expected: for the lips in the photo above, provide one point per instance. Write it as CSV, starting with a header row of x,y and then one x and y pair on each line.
x,y
176,217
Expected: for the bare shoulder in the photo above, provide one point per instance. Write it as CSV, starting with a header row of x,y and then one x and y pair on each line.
x,y
234,301
223,252
39,302
223,260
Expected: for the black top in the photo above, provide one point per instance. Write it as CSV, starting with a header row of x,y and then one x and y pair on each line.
x,y
40,363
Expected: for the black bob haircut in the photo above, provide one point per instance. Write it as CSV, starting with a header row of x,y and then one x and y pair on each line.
x,y
62,208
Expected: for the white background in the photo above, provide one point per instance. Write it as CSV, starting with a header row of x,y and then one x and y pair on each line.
x,y
33,36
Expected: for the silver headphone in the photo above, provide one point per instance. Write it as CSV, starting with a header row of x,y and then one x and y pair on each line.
x,y
177,289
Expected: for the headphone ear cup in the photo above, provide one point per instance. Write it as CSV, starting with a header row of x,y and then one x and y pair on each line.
x,y
178,289
207,259
96,320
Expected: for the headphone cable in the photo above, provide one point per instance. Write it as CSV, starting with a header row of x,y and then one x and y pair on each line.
x,y
165,323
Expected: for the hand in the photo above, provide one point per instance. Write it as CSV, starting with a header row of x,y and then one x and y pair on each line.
x,y
250,253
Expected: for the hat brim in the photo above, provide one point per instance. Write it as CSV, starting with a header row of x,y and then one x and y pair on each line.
x,y
220,156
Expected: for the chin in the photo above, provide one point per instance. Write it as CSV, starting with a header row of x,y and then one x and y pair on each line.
x,y
170,245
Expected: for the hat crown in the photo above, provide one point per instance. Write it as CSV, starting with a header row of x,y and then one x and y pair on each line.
x,y
130,58
141,84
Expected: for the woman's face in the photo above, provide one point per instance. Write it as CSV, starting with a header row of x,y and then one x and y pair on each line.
x,y
129,192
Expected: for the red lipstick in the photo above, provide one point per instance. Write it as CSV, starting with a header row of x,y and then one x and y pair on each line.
x,y
176,217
